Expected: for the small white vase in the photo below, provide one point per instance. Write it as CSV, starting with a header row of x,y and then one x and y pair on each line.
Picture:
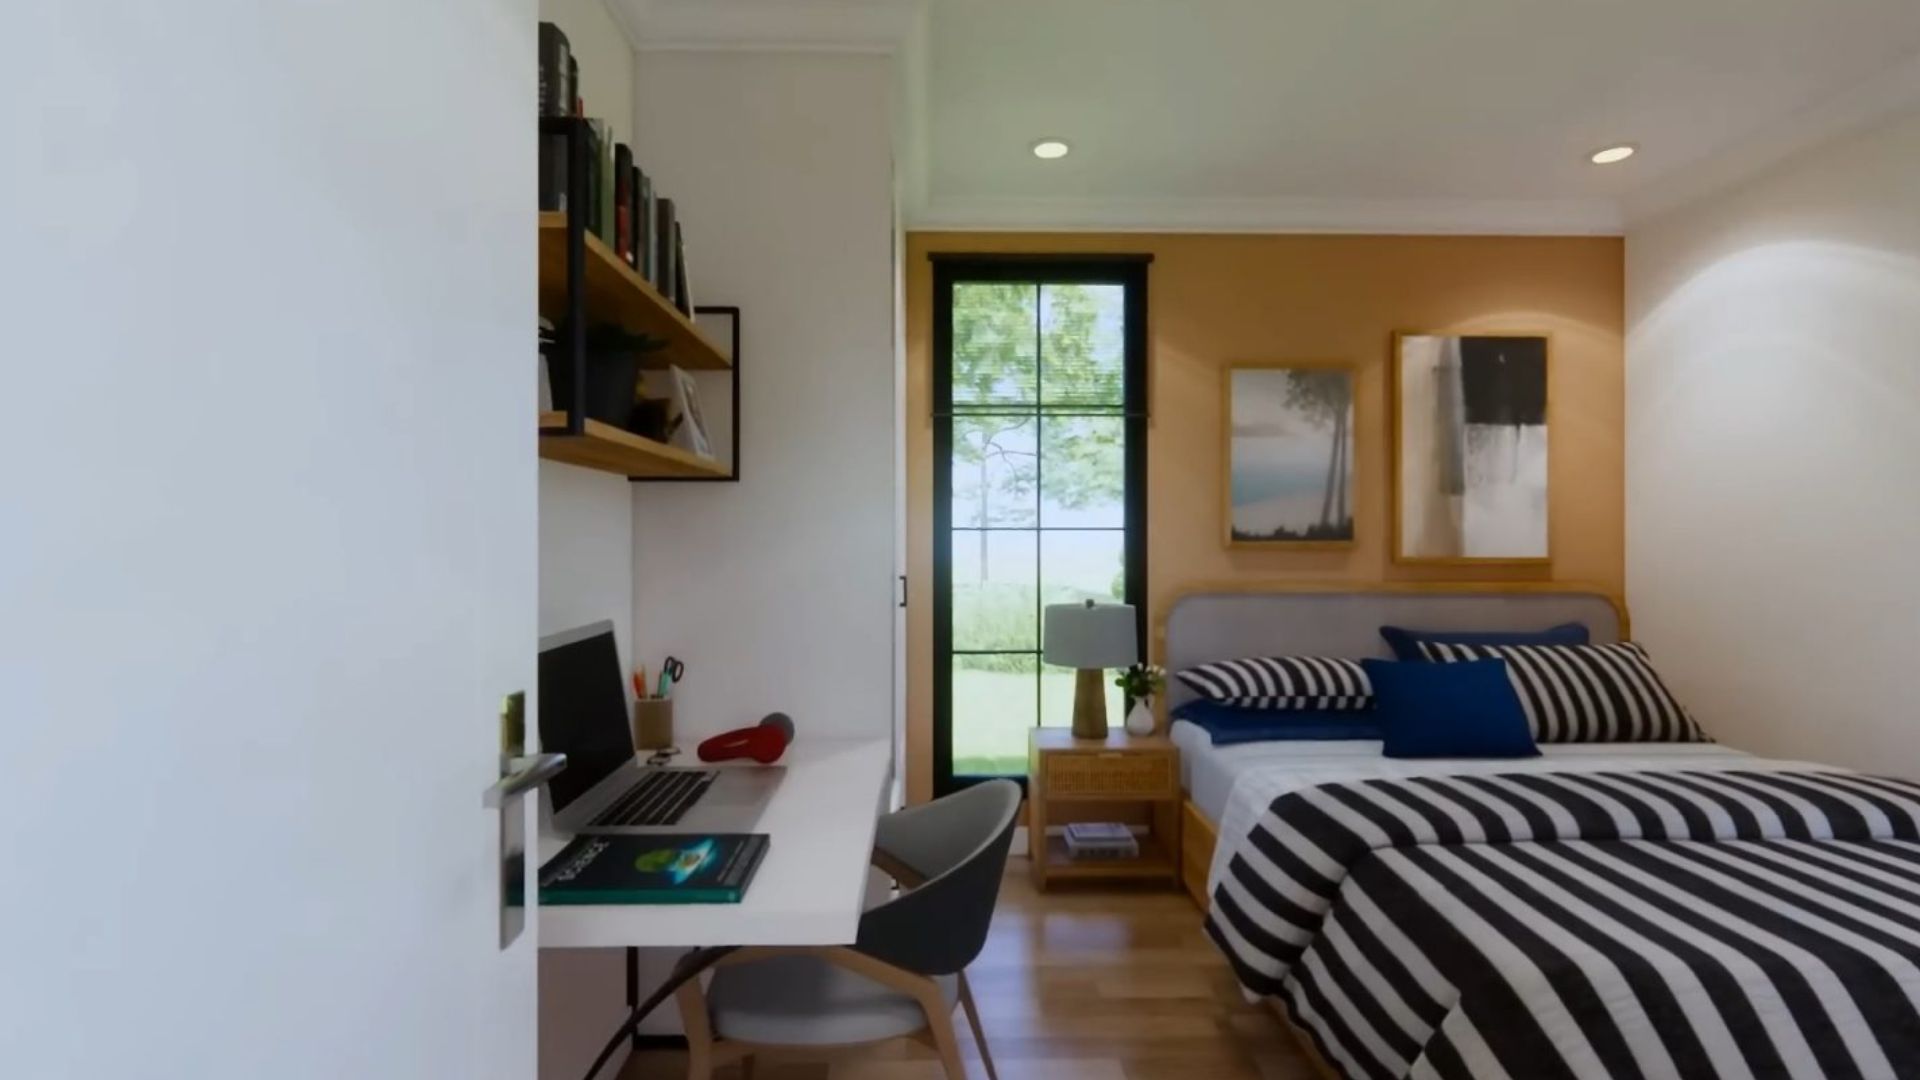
x,y
1140,719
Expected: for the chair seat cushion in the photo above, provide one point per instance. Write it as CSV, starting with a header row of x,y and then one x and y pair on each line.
x,y
806,1001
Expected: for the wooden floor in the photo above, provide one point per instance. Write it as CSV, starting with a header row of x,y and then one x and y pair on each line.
x,y
1080,984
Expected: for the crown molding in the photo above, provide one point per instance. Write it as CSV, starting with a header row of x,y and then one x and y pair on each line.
x,y
622,14
1866,104
1510,217
840,26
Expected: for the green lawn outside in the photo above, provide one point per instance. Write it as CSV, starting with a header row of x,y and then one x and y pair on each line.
x,y
993,710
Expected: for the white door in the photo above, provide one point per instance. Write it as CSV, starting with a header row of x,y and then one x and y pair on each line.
x,y
267,535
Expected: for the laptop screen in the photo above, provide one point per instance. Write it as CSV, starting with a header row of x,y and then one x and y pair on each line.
x,y
583,709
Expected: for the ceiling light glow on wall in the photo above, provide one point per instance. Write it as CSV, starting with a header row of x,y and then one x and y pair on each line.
x,y
1613,154
1051,149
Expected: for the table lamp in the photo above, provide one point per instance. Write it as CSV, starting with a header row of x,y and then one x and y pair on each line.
x,y
1090,637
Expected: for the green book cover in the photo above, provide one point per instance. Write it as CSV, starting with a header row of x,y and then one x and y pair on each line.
x,y
653,868
603,171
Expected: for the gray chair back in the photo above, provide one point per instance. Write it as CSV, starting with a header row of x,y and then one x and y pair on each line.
x,y
959,845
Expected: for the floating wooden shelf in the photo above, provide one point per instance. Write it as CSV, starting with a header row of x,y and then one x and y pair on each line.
x,y
617,294
609,449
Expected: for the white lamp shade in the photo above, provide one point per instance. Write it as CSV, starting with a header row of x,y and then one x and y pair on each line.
x,y
1090,635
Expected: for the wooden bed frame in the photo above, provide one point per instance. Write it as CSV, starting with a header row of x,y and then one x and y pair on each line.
x,y
1197,840
1199,837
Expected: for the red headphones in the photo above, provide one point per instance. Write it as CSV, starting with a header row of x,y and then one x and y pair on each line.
x,y
764,742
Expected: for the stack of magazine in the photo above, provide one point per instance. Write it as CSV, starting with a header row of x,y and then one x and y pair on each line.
x,y
1101,840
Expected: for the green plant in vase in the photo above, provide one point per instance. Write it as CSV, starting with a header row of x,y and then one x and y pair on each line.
x,y
1141,683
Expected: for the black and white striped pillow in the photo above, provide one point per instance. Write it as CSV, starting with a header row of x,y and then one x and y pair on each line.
x,y
1283,682
1585,693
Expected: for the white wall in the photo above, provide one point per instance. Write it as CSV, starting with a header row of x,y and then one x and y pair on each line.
x,y
778,591
586,551
267,274
1773,452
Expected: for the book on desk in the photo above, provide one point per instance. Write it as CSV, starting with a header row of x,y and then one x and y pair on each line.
x,y
656,868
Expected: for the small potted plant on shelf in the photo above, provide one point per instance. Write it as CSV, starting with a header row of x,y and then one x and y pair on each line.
x,y
1141,683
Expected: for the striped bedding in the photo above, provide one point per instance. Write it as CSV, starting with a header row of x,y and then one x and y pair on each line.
x,y
1690,924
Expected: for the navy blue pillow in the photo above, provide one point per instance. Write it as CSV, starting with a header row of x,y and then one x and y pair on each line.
x,y
1229,724
1442,711
1405,643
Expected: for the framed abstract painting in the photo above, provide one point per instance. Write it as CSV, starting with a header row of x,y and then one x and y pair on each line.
x,y
1288,455
1470,444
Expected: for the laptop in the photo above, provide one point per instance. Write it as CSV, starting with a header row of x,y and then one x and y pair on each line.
x,y
604,788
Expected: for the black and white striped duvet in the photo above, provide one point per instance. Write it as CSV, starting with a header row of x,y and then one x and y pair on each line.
x,y
1608,924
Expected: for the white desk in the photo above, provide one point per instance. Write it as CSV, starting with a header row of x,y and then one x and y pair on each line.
x,y
809,890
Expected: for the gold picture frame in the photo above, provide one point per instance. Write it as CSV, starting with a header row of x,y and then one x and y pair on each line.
x,y
1340,503
1399,416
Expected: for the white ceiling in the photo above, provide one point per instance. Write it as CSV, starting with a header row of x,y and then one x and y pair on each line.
x,y
1442,115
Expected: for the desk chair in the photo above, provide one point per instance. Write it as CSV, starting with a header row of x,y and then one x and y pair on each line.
x,y
904,973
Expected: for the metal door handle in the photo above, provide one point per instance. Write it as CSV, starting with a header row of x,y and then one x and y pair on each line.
x,y
523,774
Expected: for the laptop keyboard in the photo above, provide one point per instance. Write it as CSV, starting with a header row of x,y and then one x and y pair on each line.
x,y
660,798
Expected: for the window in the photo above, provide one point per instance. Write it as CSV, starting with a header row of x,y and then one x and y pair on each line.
x,y
1039,488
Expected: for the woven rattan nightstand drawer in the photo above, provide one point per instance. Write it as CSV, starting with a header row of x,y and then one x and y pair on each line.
x,y
1111,774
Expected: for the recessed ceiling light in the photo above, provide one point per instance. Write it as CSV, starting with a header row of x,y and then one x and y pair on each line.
x,y
1051,149
1613,154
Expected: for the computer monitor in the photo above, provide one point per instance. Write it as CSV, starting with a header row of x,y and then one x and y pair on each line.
x,y
583,709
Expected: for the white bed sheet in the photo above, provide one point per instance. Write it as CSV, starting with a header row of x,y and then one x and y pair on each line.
x,y
1234,785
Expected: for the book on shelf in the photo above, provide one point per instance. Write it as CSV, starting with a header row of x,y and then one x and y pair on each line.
x,y
649,255
682,288
602,172
605,165
623,202
590,213
636,233
553,171
653,868
1098,831
665,229
556,72
573,85
1101,840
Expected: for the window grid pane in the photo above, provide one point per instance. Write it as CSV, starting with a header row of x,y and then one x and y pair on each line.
x,y
1038,447
995,343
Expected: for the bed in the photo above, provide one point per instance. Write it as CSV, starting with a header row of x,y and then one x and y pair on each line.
x,y
1604,910
1213,622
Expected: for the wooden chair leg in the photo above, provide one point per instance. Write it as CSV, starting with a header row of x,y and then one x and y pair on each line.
x,y
940,1026
693,1016
973,1021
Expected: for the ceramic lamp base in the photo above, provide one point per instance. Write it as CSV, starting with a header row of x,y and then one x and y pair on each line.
x,y
1089,704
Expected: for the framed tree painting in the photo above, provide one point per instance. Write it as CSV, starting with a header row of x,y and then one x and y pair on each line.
x,y
1470,442
1288,455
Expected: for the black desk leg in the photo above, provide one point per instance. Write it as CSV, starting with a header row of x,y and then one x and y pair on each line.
x,y
633,989
689,967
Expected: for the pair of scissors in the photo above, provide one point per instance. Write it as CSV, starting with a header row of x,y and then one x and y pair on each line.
x,y
671,672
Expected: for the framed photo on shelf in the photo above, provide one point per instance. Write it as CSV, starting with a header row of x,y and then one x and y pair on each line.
x,y
1287,455
715,394
686,427
1470,448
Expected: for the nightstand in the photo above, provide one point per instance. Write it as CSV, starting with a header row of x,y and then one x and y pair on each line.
x,y
1064,773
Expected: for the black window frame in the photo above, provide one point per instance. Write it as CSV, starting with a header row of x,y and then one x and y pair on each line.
x,y
1127,271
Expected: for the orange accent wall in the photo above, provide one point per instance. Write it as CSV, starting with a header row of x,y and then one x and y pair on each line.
x,y
1216,299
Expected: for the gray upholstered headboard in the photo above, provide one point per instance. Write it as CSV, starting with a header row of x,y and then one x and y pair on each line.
x,y
1344,620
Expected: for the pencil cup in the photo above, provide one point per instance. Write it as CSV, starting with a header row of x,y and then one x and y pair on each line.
x,y
653,723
